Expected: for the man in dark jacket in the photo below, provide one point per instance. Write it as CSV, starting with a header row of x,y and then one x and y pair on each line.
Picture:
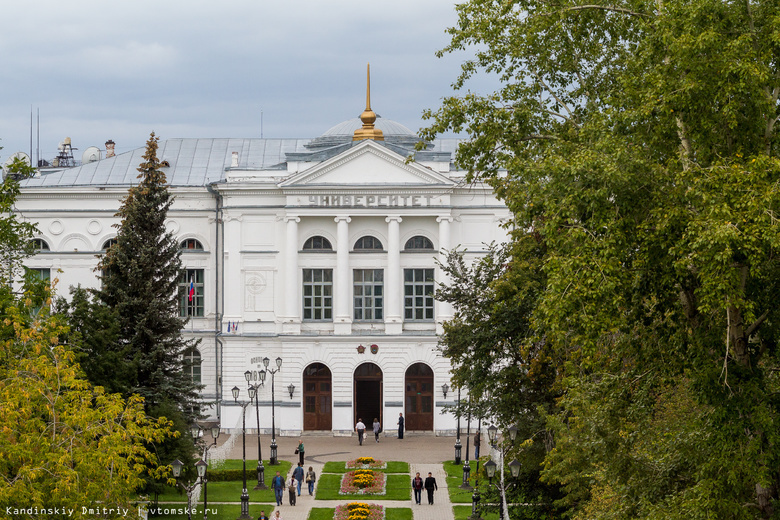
x,y
417,485
298,476
430,485
278,485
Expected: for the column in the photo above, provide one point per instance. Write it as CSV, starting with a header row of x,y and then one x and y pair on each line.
x,y
232,259
393,281
444,309
342,317
291,322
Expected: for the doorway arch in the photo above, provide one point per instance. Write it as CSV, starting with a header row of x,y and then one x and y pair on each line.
x,y
418,397
368,392
317,397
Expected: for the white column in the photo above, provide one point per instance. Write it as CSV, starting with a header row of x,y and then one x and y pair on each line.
x,y
292,308
393,282
444,309
232,259
342,318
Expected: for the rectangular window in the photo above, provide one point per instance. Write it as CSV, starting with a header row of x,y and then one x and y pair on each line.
x,y
318,294
41,273
418,294
191,297
368,294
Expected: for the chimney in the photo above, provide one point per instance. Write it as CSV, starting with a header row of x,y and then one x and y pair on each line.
x,y
234,160
110,148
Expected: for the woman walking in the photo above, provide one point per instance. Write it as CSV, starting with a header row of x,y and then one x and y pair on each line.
x,y
377,429
311,478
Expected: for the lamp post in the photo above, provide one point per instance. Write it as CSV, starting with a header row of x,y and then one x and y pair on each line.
x,y
273,372
458,446
215,430
177,467
260,467
244,493
475,496
514,466
466,467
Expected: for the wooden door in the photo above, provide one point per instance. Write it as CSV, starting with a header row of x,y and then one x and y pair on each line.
x,y
317,397
419,397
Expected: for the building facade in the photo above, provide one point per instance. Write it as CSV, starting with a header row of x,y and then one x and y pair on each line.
x,y
322,252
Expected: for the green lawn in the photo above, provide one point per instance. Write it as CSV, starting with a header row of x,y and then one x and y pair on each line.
x,y
393,466
455,479
251,467
398,488
392,513
223,512
463,512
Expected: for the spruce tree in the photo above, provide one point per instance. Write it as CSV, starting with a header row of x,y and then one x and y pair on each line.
x,y
140,275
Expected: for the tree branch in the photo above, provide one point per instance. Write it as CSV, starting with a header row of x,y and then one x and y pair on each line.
x,y
761,319
608,8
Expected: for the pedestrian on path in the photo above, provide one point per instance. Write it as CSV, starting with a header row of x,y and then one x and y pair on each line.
x,y
300,450
417,485
278,485
311,478
278,515
400,426
262,516
377,429
430,485
298,476
477,442
291,490
360,428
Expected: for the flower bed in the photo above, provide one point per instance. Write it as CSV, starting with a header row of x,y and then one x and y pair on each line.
x,y
366,463
363,482
359,511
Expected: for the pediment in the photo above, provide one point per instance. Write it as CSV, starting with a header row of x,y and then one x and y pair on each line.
x,y
367,164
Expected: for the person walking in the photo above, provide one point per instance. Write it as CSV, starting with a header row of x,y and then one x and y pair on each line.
x,y
430,486
278,515
300,451
262,516
377,429
291,490
477,442
298,476
360,428
400,426
417,486
311,478
278,486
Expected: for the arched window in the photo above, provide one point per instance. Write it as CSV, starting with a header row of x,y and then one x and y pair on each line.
x,y
108,243
192,362
191,244
40,244
418,242
317,243
368,243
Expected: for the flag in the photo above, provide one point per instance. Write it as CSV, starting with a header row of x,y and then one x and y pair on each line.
x,y
192,289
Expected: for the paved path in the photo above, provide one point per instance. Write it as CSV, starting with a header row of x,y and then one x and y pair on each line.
x,y
423,452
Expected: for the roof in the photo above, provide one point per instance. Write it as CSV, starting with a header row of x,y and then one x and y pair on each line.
x,y
193,162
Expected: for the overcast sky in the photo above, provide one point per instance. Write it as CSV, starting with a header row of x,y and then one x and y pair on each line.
x,y
197,68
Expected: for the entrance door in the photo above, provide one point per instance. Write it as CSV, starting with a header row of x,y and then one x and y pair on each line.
x,y
368,393
317,404
419,397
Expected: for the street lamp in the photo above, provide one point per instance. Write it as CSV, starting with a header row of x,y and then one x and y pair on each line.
x,y
466,467
457,439
291,389
244,493
492,432
444,389
273,372
215,435
177,467
514,467
255,390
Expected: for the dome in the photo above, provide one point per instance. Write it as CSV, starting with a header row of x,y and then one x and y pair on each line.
x,y
387,126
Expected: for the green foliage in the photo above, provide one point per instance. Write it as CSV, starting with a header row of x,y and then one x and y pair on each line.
x,y
15,234
635,142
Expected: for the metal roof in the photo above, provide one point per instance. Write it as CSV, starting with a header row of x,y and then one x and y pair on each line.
x,y
193,162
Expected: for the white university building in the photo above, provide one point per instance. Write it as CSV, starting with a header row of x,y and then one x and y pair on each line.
x,y
321,252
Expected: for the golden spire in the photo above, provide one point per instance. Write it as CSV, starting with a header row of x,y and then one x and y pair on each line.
x,y
367,131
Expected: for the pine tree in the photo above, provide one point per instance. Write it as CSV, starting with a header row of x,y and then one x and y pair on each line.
x,y
140,282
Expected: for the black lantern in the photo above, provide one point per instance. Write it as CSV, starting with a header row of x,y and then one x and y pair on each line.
x,y
291,389
444,389
513,433
278,362
215,432
266,361
177,465
261,375
490,469
235,391
247,375
492,431
252,390
201,466
514,467
195,431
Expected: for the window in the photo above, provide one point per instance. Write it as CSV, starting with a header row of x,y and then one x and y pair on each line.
x,y
40,244
108,243
368,294
192,362
368,242
418,294
191,293
418,242
318,294
317,243
40,273
191,244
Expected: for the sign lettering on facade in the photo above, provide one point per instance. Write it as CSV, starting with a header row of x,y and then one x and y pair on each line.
x,y
370,201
